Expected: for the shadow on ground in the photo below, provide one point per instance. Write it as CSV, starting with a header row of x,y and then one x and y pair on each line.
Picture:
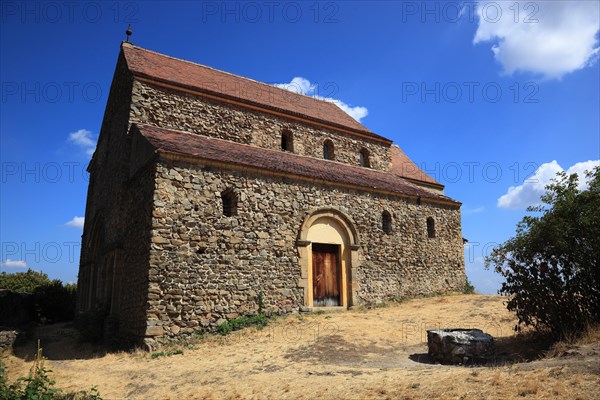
x,y
509,350
58,342
335,349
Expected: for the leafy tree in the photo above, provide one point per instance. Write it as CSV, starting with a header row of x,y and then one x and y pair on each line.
x,y
53,301
552,265
24,282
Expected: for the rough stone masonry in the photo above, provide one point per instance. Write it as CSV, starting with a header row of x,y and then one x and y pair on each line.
x,y
195,209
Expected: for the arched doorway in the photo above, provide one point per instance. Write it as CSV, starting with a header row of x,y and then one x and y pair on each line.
x,y
328,248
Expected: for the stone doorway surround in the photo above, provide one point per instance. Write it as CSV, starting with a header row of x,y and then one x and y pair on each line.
x,y
329,226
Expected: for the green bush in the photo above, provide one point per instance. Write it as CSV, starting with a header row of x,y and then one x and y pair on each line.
x,y
551,265
260,321
3,382
469,288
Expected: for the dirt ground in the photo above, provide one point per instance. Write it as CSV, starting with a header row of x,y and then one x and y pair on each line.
x,y
379,353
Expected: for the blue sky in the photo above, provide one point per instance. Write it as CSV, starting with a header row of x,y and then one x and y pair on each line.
x,y
490,98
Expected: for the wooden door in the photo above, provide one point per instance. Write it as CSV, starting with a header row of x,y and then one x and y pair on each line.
x,y
326,275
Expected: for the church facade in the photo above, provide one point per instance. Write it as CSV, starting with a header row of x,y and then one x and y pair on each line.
x,y
213,196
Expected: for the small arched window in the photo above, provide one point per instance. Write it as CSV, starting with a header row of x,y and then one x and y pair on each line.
x,y
430,227
386,222
229,199
287,141
364,158
328,151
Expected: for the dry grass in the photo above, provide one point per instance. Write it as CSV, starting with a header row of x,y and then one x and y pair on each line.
x,y
590,336
571,345
365,354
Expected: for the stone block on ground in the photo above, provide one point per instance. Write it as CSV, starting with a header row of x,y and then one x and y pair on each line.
x,y
459,346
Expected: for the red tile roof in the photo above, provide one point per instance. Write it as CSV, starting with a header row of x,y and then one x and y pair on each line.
x,y
161,68
406,168
212,149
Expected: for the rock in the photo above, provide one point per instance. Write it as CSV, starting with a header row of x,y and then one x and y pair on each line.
x,y
459,346
8,337
154,330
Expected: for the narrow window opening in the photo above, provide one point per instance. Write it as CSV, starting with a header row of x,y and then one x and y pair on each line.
x,y
430,227
328,151
287,141
364,158
386,222
284,142
229,200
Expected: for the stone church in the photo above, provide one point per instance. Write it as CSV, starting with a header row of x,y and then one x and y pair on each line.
x,y
213,196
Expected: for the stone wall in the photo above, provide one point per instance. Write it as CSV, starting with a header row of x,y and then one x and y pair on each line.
x,y
205,266
16,309
8,338
112,279
166,261
168,109
109,167
132,277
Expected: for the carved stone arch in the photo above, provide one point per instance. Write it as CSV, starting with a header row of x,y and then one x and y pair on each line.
x,y
329,227
96,237
334,214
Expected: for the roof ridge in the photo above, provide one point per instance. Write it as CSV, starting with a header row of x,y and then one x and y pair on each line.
x,y
237,76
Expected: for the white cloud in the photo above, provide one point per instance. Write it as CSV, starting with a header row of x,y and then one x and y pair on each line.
x,y
299,85
580,169
467,211
84,139
76,222
14,263
551,38
529,193
304,86
357,112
